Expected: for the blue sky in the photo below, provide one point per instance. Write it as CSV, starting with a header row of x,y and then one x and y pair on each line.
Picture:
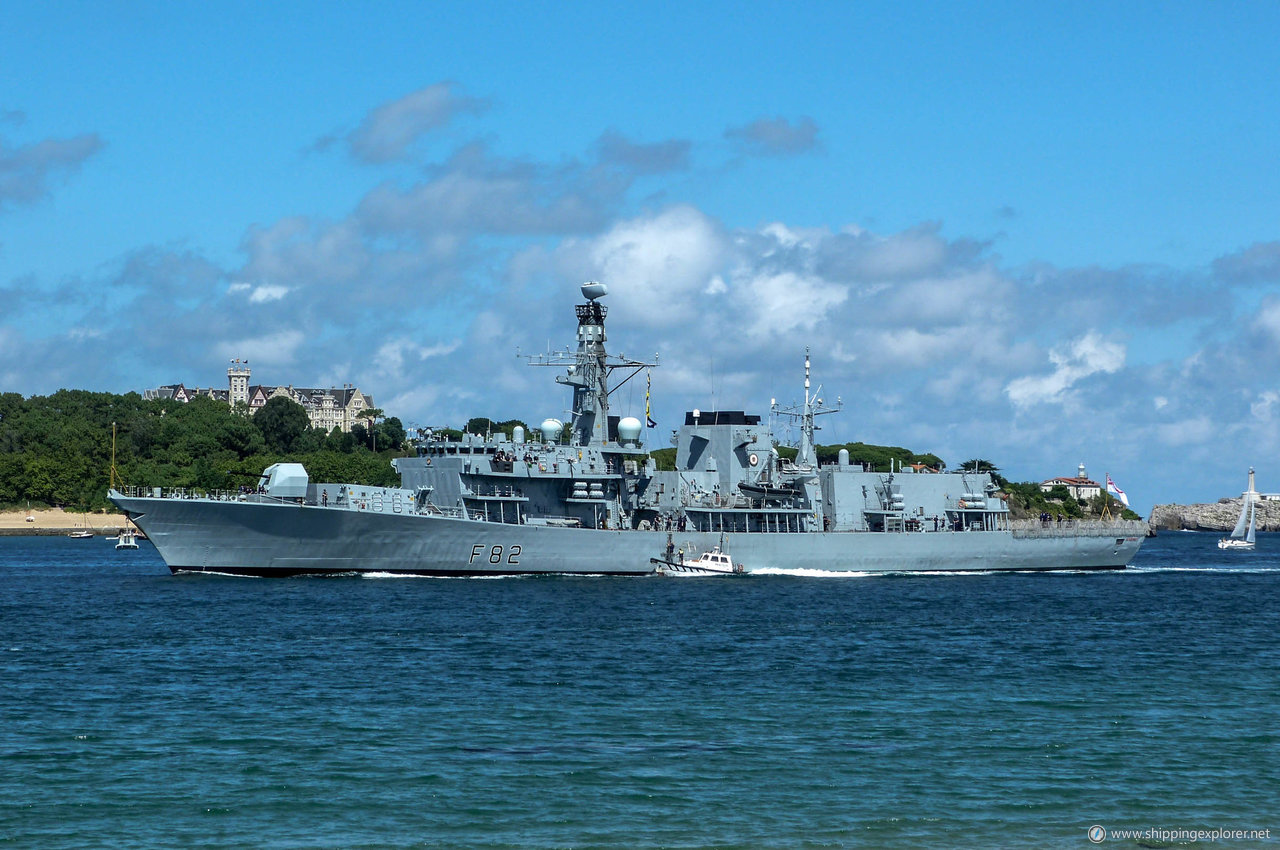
x,y
1038,236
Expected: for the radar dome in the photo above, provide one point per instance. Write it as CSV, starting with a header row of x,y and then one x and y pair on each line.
x,y
629,429
551,429
591,290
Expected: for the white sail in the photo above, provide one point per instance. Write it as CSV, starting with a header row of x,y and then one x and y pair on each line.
x,y
1249,537
1246,515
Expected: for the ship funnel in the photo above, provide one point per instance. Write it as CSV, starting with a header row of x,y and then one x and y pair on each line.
x,y
591,290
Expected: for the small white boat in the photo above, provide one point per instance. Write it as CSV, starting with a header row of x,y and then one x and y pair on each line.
x,y
713,561
127,539
1242,536
83,532
1237,540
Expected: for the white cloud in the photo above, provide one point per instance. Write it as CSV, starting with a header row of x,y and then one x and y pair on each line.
x,y
394,355
912,348
775,136
263,294
277,349
389,131
1264,407
1085,356
782,303
1194,431
655,266
476,192
27,171
1267,319
267,294
975,298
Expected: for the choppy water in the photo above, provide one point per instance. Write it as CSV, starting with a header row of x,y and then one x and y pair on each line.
x,y
143,709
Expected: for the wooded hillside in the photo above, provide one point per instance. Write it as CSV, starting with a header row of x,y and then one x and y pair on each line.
x,y
56,450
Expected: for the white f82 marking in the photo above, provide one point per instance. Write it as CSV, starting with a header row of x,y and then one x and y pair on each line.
x,y
495,554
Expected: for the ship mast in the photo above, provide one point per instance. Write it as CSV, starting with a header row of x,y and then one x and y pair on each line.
x,y
589,370
807,455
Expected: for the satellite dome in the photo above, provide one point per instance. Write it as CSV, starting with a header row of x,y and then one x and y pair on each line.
x,y
591,290
629,429
551,429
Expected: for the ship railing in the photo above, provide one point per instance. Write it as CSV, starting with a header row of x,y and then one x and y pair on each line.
x,y
136,492
497,491
430,509
715,499
987,504
1078,528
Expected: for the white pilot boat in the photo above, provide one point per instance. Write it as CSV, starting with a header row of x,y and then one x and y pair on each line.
x,y
713,561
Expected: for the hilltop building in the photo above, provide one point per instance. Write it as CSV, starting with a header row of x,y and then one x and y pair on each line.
x,y
1080,485
327,408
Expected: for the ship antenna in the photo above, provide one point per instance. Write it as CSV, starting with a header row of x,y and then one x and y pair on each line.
x,y
812,407
590,368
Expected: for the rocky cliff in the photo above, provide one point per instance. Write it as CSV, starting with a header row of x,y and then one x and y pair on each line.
x,y
1216,517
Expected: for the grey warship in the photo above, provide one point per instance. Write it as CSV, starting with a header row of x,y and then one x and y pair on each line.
x,y
587,498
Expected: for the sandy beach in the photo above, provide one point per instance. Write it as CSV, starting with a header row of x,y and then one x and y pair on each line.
x,y
56,521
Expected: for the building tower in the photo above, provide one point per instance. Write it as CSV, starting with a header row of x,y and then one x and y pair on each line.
x,y
238,376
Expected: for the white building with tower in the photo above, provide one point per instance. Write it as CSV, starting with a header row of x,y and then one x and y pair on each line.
x,y
327,408
1080,485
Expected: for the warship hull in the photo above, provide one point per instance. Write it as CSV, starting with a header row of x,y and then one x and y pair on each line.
x,y
271,539
587,498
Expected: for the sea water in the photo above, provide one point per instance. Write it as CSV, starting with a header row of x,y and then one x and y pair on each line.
x,y
140,709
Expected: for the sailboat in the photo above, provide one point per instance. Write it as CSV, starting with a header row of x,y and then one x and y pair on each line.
x,y
82,532
1242,536
128,536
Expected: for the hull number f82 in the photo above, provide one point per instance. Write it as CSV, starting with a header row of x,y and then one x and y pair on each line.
x,y
495,553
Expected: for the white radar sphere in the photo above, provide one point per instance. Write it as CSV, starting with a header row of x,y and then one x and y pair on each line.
x,y
591,290
550,429
629,429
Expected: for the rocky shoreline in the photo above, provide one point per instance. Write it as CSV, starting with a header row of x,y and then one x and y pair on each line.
x,y
1220,516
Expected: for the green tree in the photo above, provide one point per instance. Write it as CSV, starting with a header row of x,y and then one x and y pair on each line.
x,y
339,441
1059,493
371,415
664,458
483,425
390,433
282,422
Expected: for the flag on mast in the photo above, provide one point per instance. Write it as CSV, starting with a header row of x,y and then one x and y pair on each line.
x,y
1116,491
647,386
